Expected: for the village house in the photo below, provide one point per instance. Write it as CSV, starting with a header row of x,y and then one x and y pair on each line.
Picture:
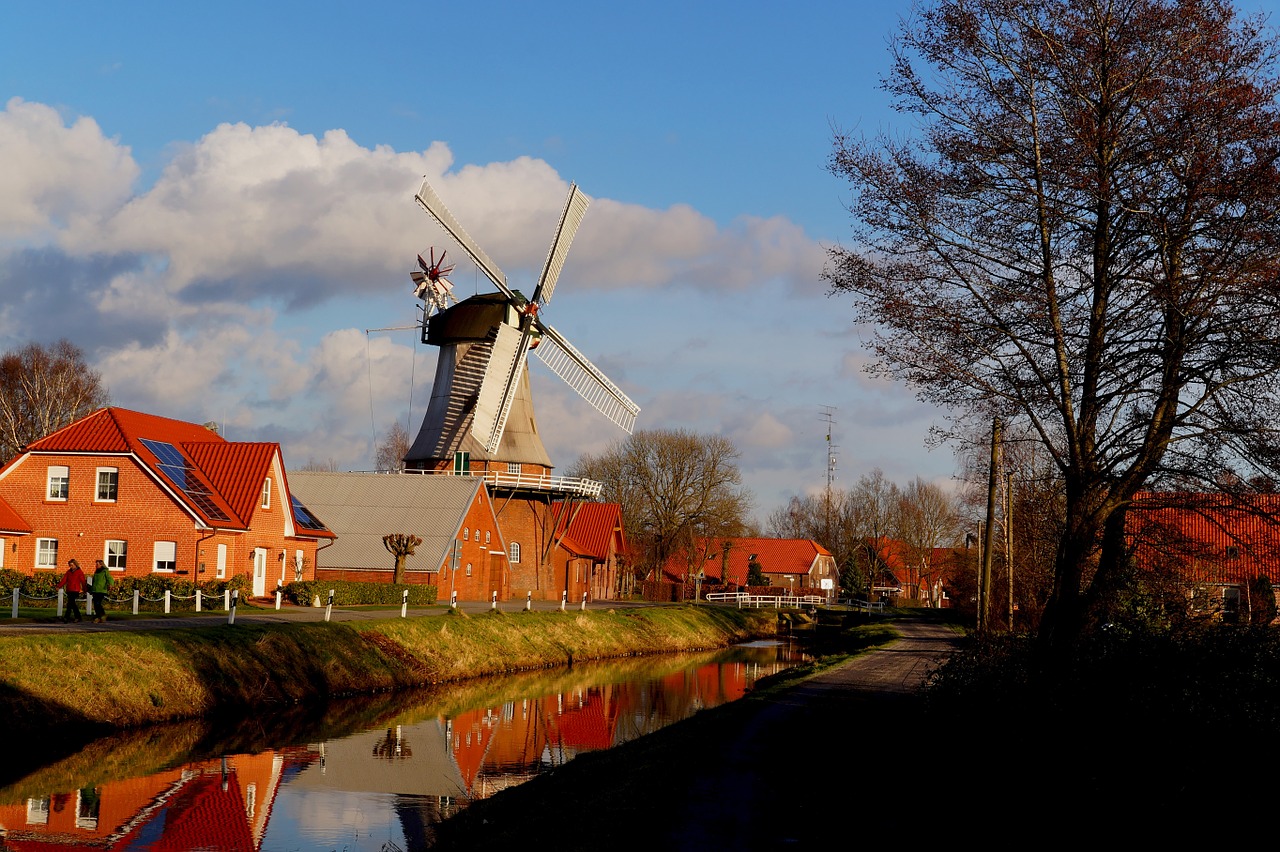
x,y
795,565
1212,548
361,508
150,495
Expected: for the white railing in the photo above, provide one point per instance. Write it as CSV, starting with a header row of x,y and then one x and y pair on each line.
x,y
538,482
745,601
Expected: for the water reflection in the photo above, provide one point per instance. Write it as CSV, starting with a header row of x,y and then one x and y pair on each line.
x,y
372,774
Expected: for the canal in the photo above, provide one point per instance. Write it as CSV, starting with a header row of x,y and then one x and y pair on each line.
x,y
373,773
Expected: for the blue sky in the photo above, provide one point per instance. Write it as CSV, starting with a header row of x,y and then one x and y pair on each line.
x,y
215,201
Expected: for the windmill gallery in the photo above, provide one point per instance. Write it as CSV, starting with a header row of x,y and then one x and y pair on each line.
x,y
525,531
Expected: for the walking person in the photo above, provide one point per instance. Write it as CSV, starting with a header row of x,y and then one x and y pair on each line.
x,y
99,584
75,583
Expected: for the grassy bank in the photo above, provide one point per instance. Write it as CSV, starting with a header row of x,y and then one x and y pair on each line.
x,y
86,682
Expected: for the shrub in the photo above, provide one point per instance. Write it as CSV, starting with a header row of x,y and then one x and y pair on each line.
x,y
352,594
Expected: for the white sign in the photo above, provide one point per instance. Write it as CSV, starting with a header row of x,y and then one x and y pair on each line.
x,y
827,584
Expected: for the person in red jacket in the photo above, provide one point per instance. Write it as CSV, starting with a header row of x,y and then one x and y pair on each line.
x,y
74,582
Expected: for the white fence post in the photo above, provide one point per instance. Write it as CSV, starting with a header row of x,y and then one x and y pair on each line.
x,y
61,601
494,605
231,606
15,601
564,598
197,600
404,604
166,602
584,601
226,601
136,595
328,610
278,593
528,601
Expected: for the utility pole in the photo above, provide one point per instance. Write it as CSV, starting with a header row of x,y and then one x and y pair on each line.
x,y
984,593
1008,538
828,415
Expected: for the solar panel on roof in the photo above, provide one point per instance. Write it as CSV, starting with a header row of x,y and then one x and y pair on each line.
x,y
306,520
177,470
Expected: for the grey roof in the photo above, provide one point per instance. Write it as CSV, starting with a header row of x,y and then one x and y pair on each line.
x,y
360,508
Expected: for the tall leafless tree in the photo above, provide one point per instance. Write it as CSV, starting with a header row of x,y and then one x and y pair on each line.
x,y
391,450
1082,240
42,389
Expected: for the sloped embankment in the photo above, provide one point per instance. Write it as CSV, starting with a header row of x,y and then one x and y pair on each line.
x,y
114,680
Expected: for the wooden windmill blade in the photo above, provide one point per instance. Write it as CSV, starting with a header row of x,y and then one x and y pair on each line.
x,y
498,388
585,378
431,202
575,207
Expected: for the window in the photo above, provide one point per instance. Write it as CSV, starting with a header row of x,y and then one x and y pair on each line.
x,y
165,556
486,536
466,534
222,562
1233,552
461,464
514,555
46,553
468,569
116,554
266,493
513,467
59,476
108,484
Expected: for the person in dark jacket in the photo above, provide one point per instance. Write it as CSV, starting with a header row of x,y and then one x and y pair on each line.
x,y
74,582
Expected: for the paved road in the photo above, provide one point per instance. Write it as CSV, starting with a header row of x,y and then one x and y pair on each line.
x,y
809,747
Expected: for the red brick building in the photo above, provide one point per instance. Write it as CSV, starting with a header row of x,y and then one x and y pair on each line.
x,y
150,495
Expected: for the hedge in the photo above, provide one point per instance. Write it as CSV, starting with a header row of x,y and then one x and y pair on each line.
x,y
351,593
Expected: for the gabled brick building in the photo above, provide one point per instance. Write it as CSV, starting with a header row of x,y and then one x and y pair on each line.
x,y
151,495
793,564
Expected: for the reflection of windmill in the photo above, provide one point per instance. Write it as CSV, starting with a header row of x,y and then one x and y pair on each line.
x,y
480,405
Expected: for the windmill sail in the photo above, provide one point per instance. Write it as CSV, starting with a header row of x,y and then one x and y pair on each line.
x,y
498,388
585,378
575,207
432,204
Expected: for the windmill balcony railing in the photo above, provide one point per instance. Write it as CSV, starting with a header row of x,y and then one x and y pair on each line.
x,y
528,481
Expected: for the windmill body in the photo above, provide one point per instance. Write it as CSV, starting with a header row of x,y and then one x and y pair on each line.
x,y
481,411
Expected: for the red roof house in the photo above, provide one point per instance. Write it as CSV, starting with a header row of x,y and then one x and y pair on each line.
x,y
788,563
151,495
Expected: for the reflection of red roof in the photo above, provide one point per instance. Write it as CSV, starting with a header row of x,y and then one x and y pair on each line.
x,y
587,722
202,815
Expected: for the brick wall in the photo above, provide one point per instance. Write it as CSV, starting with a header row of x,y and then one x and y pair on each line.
x,y
142,514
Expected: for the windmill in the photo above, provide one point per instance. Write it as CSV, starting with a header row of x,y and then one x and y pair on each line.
x,y
481,392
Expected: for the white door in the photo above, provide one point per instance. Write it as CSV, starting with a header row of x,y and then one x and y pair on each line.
x,y
259,572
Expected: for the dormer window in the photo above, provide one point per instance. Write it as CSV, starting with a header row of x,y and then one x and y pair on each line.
x,y
266,493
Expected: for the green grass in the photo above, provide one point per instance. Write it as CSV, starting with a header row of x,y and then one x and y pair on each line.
x,y
124,679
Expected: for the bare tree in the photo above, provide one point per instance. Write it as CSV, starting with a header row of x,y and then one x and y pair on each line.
x,y
43,389
676,488
1081,240
401,546
928,518
391,450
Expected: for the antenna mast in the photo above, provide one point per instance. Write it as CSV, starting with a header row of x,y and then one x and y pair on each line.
x,y
828,415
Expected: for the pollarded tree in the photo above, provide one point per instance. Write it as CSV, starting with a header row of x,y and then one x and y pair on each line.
x,y
401,546
676,489
43,389
1082,240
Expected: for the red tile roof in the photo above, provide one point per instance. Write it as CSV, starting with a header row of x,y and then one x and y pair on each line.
x,y
118,430
593,528
11,521
775,555
236,470
1208,538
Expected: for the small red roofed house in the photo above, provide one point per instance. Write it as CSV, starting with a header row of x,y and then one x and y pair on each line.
x,y
1212,547
798,565
151,495
587,554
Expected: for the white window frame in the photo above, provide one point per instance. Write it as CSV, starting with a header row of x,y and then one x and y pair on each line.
x,y
61,474
513,553
43,549
114,481
108,558
161,549
486,536
221,570
2,548
266,493
513,468
466,533
468,569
